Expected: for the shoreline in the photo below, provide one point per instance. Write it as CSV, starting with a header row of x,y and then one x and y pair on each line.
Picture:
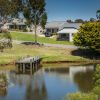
x,y
55,62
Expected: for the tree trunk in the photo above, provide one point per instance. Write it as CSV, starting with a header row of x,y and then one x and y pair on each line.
x,y
35,30
35,35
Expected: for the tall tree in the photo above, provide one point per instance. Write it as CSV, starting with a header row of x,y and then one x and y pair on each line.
x,y
34,11
98,14
79,21
92,20
9,9
69,21
43,20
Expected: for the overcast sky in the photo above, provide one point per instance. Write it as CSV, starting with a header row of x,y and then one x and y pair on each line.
x,y
61,10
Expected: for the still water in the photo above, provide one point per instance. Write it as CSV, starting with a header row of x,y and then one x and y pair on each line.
x,y
48,83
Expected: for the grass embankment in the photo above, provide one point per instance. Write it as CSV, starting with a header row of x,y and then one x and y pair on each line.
x,y
48,53
30,38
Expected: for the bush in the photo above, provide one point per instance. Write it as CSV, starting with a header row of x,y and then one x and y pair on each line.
x,y
96,90
5,40
89,36
25,30
3,79
54,33
96,77
14,29
79,96
31,30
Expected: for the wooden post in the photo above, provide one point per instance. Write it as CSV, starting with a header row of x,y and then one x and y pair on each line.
x,y
15,65
19,67
31,66
36,65
23,67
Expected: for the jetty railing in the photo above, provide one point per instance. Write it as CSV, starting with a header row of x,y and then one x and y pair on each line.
x,y
27,62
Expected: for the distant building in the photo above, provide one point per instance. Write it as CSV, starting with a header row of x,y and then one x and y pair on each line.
x,y
19,26
53,27
65,30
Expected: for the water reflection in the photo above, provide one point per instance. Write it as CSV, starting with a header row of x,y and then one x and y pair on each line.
x,y
3,92
49,83
84,80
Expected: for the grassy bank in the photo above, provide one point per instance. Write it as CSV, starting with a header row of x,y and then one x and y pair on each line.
x,y
48,53
30,38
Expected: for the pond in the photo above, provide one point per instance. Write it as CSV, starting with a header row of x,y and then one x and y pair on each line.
x,y
50,83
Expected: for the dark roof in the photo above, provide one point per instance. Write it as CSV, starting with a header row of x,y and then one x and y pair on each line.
x,y
17,23
62,24
54,24
70,25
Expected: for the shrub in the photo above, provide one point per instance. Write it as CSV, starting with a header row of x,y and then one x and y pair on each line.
x,y
5,40
89,36
79,96
14,29
96,77
54,33
3,79
31,30
96,90
25,30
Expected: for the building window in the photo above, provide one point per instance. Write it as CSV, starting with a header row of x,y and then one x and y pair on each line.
x,y
48,30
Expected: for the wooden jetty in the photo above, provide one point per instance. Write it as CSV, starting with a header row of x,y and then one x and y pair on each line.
x,y
27,62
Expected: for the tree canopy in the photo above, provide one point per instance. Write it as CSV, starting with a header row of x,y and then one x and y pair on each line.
x,y
43,20
9,9
34,11
89,36
79,21
5,40
98,14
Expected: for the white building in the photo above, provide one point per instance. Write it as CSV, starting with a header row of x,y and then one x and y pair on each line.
x,y
65,30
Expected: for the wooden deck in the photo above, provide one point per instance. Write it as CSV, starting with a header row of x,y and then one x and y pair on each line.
x,y
27,62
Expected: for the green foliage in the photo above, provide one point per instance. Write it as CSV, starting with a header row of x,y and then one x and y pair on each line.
x,y
98,14
96,80
4,79
25,30
54,33
16,30
69,21
5,40
95,93
34,11
43,20
89,36
31,30
96,90
79,21
79,96
96,77
92,20
9,9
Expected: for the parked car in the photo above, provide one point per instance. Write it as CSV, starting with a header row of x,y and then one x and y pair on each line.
x,y
48,34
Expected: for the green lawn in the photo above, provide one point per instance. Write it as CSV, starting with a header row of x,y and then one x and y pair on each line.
x,y
30,37
48,53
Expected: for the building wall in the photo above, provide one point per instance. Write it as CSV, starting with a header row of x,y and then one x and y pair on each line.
x,y
67,37
52,30
20,27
